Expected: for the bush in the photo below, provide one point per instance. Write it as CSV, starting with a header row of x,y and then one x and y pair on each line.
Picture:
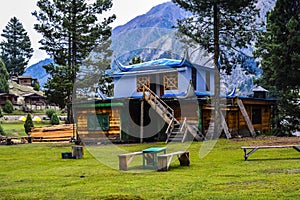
x,y
50,112
54,119
1,130
1,113
8,107
36,85
28,124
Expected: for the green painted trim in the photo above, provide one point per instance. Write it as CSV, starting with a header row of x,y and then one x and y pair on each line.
x,y
199,117
100,105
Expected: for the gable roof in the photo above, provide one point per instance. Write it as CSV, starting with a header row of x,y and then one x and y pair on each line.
x,y
33,95
259,89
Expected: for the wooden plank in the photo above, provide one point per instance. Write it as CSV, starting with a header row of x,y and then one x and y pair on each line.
x,y
224,125
164,160
246,117
255,148
268,147
125,159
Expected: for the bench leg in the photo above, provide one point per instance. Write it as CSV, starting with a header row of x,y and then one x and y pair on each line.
x,y
184,159
297,148
249,153
123,163
162,164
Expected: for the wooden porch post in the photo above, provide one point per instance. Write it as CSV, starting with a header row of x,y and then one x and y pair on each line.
x,y
142,122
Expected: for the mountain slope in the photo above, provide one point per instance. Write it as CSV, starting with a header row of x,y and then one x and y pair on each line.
x,y
161,16
37,71
151,36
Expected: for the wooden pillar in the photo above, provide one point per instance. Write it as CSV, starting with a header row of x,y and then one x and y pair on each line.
x,y
142,122
77,152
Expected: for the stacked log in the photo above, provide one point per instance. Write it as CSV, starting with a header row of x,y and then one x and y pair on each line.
x,y
54,133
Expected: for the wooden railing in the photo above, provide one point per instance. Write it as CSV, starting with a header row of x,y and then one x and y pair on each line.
x,y
157,101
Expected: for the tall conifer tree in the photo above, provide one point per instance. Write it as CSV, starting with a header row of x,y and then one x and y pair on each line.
x,y
279,50
4,86
70,30
16,49
222,27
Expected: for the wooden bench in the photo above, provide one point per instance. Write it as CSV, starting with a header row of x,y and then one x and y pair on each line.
x,y
125,159
164,160
255,148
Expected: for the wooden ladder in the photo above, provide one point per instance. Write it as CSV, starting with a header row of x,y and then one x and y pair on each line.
x,y
212,124
245,114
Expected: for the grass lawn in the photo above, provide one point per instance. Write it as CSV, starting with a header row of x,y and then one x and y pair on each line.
x,y
37,171
16,128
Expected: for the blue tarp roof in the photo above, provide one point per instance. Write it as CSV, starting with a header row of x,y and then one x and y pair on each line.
x,y
152,65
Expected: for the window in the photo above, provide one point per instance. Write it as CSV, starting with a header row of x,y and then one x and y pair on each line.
x,y
140,81
98,122
256,116
171,81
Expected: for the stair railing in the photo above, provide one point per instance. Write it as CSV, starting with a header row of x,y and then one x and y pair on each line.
x,y
169,129
183,125
157,99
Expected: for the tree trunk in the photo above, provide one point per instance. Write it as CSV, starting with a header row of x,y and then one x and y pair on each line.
x,y
216,102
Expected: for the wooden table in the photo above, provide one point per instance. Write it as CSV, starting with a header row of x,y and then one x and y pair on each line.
x,y
150,156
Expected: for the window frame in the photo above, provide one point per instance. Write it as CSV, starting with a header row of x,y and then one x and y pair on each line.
x,y
98,122
140,80
168,79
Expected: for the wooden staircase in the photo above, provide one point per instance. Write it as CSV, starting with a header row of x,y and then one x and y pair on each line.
x,y
176,131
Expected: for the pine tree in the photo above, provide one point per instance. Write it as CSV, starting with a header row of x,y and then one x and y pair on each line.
x,y
93,74
4,86
28,125
221,27
8,107
16,49
1,112
136,60
2,132
36,85
70,30
279,50
54,119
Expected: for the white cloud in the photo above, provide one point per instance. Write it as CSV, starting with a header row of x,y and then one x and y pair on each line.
x,y
22,9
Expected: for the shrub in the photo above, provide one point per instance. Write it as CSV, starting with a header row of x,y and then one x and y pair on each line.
x,y
28,124
50,112
8,107
54,119
36,85
1,130
1,113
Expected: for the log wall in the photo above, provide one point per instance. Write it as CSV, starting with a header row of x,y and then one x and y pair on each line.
x,y
114,123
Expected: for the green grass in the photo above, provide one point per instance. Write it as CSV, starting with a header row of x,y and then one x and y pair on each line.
x,y
16,128
37,171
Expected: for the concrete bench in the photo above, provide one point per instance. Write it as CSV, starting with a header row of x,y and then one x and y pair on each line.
x,y
164,160
255,148
125,159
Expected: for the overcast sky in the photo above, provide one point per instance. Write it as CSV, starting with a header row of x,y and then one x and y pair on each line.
x,y
22,9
